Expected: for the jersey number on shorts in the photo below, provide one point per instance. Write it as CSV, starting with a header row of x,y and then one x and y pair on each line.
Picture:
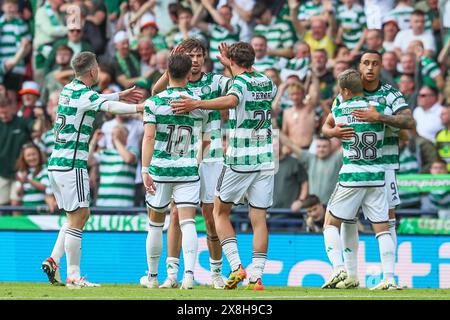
x,y
368,151
264,116
178,143
59,128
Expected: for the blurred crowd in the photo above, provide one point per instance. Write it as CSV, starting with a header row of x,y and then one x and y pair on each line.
x,y
301,45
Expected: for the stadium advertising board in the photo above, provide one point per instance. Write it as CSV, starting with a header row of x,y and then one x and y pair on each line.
x,y
293,259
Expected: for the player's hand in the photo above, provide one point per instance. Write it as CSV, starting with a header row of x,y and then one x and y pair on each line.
x,y
178,49
148,183
183,105
223,56
369,115
132,95
342,133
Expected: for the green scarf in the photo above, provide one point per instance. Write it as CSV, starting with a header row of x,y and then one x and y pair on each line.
x,y
51,15
124,66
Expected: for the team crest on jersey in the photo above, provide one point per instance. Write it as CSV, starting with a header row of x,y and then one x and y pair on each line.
x,y
206,90
382,100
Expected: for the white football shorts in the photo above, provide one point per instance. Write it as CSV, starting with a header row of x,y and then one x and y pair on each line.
x,y
393,196
209,173
257,186
184,194
345,202
71,189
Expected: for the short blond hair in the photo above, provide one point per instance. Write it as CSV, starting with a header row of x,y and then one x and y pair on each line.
x,y
350,79
294,87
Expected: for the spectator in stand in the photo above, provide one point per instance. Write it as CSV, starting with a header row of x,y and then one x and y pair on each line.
x,y
432,18
14,133
374,40
47,141
61,75
242,15
443,136
280,38
15,37
74,40
262,60
409,158
117,167
173,14
409,89
94,14
222,30
390,30
325,76
135,134
149,29
430,71
315,214
318,37
187,29
352,30
322,167
440,199
291,181
402,14
427,114
31,179
49,27
147,59
128,11
299,121
389,71
417,32
126,65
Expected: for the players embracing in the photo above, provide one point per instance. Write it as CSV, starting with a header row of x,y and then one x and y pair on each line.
x,y
398,117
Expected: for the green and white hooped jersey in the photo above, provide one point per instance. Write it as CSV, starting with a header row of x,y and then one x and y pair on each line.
x,y
393,99
208,87
309,9
32,196
278,34
363,164
217,35
265,63
116,179
77,108
11,33
353,22
48,142
408,165
402,15
176,140
440,199
430,70
250,145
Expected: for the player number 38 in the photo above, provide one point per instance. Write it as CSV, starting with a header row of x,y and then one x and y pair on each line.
x,y
364,146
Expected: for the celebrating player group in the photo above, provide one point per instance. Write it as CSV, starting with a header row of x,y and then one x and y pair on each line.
x,y
184,166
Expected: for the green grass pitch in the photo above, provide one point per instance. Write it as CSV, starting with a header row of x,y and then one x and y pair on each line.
x,y
44,291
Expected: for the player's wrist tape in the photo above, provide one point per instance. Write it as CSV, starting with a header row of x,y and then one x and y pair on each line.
x,y
144,170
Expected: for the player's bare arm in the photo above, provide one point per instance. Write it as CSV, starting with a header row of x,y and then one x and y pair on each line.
x,y
148,144
402,119
331,130
186,104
